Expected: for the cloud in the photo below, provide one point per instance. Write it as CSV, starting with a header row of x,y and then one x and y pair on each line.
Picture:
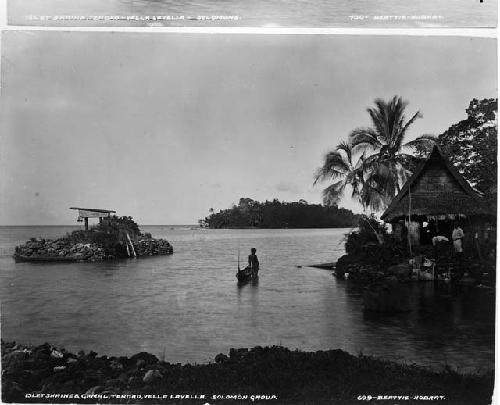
x,y
287,186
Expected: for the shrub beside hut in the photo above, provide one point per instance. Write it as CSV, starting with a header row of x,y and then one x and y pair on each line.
x,y
113,237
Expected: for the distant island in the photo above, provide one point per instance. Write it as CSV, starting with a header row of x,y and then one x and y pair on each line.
x,y
276,214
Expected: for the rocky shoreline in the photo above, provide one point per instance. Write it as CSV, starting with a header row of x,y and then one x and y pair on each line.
x,y
270,375
62,249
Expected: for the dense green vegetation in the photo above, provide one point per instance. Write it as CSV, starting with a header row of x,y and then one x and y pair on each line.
x,y
472,146
277,214
111,235
370,242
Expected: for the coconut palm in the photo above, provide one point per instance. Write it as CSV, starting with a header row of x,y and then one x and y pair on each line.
x,y
343,168
388,167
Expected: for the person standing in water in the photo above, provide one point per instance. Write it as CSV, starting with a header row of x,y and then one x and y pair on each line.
x,y
253,261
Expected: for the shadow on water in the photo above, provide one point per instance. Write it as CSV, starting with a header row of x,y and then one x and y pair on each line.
x,y
254,282
445,321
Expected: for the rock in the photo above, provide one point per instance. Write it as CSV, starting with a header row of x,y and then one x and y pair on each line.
x,y
95,390
147,357
14,360
467,281
56,354
134,381
123,377
115,365
221,358
114,382
400,270
237,353
12,392
152,376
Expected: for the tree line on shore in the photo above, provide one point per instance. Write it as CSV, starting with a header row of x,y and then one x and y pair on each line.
x,y
276,214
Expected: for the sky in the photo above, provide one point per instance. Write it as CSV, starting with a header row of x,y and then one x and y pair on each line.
x,y
164,127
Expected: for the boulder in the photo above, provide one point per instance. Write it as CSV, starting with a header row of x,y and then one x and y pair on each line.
x,y
151,376
55,354
401,269
148,358
237,354
14,360
221,358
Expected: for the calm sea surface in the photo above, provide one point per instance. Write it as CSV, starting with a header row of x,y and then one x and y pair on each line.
x,y
189,307
262,13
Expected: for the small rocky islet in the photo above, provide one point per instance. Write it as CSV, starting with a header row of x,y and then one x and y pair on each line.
x,y
113,238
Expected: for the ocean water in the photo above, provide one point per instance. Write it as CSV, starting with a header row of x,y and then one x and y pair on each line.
x,y
187,307
261,13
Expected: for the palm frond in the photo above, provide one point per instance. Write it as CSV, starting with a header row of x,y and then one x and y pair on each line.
x,y
346,148
404,129
364,138
333,193
335,166
378,117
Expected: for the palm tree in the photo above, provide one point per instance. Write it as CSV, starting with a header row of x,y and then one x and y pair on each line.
x,y
341,167
388,167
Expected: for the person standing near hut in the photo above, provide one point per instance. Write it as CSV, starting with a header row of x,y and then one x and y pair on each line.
x,y
457,236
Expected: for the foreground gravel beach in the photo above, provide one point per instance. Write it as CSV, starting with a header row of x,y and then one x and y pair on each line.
x,y
271,375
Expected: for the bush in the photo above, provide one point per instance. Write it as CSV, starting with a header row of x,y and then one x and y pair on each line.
x,y
365,235
119,226
110,235
371,243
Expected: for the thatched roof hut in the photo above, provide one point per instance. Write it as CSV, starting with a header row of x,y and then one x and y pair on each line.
x,y
436,189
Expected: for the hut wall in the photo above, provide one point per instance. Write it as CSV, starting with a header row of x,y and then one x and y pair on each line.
x,y
436,179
